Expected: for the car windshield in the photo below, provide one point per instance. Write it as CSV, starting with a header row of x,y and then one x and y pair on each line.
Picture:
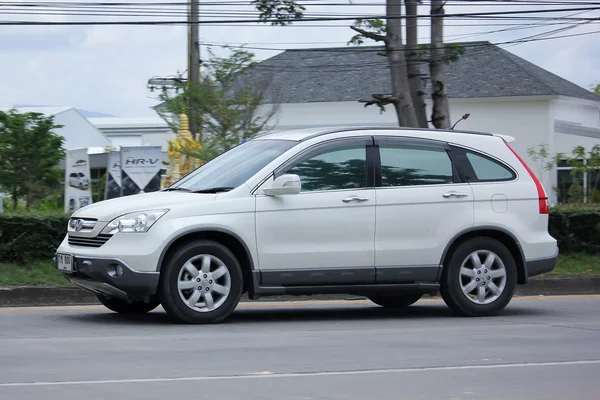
x,y
234,167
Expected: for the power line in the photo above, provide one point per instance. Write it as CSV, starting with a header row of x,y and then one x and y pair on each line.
x,y
478,15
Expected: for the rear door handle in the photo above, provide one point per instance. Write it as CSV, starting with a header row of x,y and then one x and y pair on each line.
x,y
355,199
454,194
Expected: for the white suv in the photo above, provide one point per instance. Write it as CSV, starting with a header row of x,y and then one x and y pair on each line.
x,y
390,214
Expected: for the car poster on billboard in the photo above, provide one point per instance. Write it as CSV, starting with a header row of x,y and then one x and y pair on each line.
x,y
78,192
140,169
113,177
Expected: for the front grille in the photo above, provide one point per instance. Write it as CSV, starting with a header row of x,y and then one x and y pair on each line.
x,y
97,241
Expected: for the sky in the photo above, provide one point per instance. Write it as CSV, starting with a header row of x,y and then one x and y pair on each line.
x,y
106,68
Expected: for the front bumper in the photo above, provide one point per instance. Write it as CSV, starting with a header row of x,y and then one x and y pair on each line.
x,y
111,277
541,265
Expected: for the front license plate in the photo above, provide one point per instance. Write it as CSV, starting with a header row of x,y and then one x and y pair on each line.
x,y
64,262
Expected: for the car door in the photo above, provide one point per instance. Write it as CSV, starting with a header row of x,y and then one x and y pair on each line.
x,y
325,234
421,205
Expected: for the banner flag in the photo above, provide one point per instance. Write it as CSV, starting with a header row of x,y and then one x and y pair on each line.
x,y
78,193
113,176
141,168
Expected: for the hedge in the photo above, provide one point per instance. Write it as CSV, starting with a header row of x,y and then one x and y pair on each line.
x,y
25,237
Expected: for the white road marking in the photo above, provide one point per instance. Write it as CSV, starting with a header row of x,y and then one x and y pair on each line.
x,y
302,374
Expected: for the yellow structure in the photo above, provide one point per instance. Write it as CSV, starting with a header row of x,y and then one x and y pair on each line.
x,y
180,164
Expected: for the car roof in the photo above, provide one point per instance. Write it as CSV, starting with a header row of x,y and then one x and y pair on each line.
x,y
300,135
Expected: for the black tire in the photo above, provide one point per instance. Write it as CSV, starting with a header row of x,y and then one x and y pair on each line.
x,y
452,292
401,301
170,297
124,307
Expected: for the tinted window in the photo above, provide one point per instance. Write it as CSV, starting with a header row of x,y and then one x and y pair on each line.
x,y
410,165
488,170
235,166
342,168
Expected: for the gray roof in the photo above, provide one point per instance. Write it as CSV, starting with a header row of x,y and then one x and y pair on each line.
x,y
350,73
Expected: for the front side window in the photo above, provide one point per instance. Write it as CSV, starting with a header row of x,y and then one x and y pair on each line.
x,y
234,167
334,169
414,165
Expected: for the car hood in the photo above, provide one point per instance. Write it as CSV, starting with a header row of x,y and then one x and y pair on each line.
x,y
107,210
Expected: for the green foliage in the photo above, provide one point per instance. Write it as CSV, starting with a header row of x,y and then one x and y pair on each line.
x,y
33,236
279,12
452,52
581,162
29,155
577,229
374,26
226,103
596,90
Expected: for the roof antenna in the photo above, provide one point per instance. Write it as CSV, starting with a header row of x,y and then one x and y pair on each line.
x,y
467,115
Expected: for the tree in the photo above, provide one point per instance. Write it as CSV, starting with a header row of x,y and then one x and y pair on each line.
x,y
390,33
407,96
30,152
229,102
408,84
440,115
596,90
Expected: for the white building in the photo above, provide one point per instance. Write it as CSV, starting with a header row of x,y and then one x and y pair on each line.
x,y
135,131
503,93
77,129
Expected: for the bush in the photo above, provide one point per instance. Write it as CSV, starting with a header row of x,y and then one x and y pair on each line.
x,y
577,228
27,236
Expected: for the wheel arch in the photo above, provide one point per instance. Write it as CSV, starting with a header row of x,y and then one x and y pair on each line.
x,y
502,235
222,236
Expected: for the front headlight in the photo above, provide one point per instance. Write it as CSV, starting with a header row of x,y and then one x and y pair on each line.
x,y
137,222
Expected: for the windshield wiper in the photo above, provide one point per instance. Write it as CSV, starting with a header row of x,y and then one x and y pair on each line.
x,y
176,188
215,189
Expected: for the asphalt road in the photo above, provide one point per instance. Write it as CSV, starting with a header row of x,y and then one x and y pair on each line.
x,y
542,348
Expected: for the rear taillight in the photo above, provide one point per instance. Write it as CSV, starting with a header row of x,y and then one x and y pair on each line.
x,y
542,197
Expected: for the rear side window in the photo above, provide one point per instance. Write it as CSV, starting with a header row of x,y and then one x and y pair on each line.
x,y
414,165
474,167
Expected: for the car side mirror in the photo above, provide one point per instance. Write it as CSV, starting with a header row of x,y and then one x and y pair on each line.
x,y
285,184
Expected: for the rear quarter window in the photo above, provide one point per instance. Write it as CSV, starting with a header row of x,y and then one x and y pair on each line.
x,y
476,167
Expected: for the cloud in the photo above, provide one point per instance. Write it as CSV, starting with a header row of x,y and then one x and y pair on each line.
x,y
106,68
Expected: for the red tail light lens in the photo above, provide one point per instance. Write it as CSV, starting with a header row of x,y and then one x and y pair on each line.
x,y
542,197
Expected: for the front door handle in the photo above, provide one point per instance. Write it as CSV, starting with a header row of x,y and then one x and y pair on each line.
x,y
454,194
355,199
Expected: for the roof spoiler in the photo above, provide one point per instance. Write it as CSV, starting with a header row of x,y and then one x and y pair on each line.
x,y
506,138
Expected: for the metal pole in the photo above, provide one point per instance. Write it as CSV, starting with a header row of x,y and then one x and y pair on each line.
x,y
194,64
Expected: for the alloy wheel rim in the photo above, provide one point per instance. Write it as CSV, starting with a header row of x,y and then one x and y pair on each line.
x,y
204,283
482,277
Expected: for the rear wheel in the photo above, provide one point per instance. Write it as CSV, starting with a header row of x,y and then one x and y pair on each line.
x,y
125,307
402,301
201,283
479,278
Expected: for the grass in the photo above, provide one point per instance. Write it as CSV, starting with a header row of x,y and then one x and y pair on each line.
x,y
40,273
576,265
43,273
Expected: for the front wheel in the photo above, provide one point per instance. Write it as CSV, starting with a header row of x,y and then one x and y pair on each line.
x,y
401,301
125,307
201,283
479,278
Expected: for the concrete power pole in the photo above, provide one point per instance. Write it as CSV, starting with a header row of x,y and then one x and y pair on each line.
x,y
194,64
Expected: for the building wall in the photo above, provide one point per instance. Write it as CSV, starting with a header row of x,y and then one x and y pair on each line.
x,y
78,132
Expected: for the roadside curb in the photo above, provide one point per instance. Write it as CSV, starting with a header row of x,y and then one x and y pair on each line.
x,y
34,296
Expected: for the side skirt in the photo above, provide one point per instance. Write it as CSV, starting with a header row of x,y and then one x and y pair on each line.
x,y
350,289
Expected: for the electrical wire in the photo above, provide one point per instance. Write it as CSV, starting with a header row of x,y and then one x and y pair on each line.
x,y
514,14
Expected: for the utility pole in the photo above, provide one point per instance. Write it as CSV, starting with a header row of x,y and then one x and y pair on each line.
x,y
194,65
